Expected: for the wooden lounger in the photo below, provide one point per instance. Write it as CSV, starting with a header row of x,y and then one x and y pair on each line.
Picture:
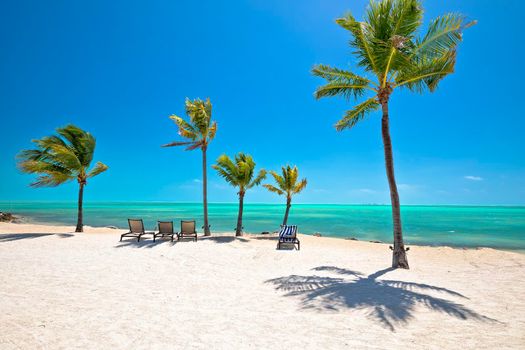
x,y
187,229
165,230
136,229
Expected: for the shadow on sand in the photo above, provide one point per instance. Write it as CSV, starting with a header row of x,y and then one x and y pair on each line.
x,y
144,243
148,243
223,239
391,303
17,236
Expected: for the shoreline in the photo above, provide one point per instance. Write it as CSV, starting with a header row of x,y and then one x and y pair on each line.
x,y
27,220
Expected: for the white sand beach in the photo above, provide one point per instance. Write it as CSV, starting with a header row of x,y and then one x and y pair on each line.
x,y
61,290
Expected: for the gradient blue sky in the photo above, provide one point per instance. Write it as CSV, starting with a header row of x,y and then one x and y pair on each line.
x,y
120,68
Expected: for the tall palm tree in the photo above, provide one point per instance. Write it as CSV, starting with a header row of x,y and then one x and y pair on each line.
x,y
200,130
239,173
391,57
61,158
287,185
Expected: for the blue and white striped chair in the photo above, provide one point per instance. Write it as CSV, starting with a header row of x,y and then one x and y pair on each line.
x,y
288,235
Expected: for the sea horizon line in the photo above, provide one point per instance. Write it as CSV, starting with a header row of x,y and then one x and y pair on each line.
x,y
4,202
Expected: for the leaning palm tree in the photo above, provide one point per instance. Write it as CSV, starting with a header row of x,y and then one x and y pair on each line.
x,y
62,158
287,185
239,173
392,56
200,130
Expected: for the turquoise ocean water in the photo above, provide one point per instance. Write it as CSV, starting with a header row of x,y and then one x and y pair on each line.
x,y
463,226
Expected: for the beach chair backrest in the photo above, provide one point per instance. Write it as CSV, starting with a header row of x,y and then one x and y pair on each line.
x,y
165,226
187,226
136,226
288,231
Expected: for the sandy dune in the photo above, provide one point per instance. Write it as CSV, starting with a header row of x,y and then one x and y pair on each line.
x,y
88,291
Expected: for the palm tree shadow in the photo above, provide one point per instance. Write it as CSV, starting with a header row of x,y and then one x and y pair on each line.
x,y
145,243
223,239
391,303
18,236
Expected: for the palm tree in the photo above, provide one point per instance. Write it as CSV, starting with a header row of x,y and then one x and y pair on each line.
x,y
62,158
200,130
287,185
392,57
239,173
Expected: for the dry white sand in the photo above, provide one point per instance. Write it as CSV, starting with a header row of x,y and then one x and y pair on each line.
x,y
88,291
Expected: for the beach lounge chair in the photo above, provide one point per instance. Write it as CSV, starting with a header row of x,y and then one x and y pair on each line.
x,y
136,229
187,229
288,235
165,230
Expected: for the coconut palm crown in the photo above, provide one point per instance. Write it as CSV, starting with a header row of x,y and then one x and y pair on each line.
x,y
239,173
287,185
391,55
61,158
200,130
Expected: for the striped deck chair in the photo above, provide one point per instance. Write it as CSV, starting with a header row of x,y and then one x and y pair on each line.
x,y
288,235
136,229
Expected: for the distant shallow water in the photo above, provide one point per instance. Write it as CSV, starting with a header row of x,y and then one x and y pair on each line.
x,y
461,226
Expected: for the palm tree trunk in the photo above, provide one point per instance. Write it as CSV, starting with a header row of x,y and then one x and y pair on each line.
x,y
238,230
80,223
288,205
205,193
399,258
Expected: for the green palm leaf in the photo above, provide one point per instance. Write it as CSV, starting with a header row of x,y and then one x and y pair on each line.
x,y
356,114
97,169
444,34
274,189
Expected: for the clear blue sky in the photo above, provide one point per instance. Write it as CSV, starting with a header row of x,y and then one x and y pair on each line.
x,y
120,68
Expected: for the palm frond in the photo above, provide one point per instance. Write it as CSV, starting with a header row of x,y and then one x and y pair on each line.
x,y
186,130
300,186
361,42
274,189
97,169
358,113
227,169
258,179
427,74
65,156
444,34
406,17
280,180
177,143
212,131
51,180
195,145
336,74
336,88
